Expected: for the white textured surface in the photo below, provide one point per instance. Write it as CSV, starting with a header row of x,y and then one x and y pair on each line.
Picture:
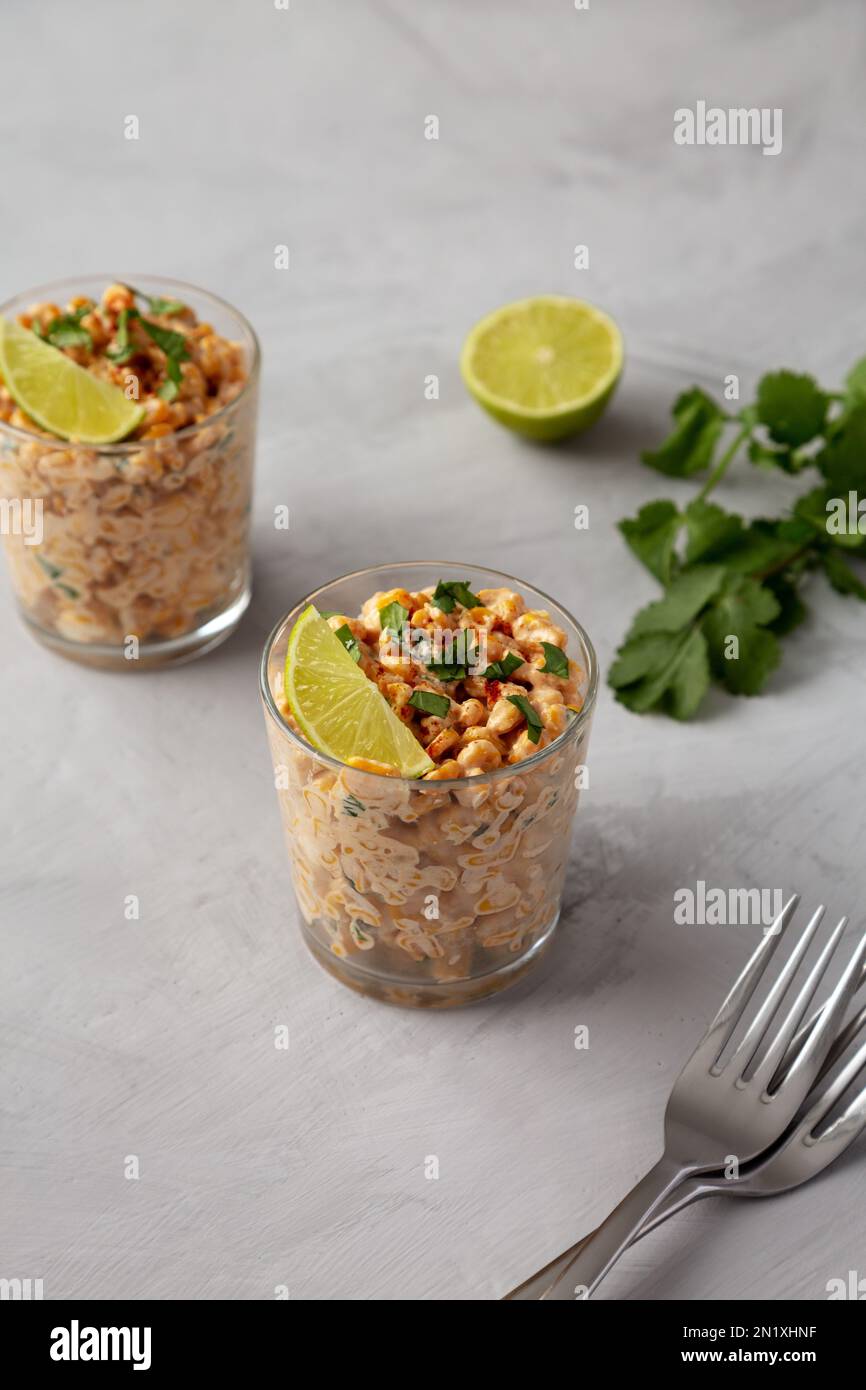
x,y
155,1038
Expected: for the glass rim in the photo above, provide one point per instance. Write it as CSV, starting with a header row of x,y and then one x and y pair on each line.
x,y
49,441
577,725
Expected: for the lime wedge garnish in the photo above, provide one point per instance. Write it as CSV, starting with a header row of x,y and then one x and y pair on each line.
x,y
338,709
545,367
58,394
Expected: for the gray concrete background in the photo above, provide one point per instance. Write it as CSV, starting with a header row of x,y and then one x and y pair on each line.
x,y
155,1038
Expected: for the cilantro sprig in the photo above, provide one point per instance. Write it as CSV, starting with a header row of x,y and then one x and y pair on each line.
x,y
732,587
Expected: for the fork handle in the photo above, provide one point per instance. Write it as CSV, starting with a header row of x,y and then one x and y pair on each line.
x,y
535,1287
602,1247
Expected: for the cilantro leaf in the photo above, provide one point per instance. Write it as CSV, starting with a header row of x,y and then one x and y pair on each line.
x,y
687,595
818,508
690,447
174,346
652,535
66,330
352,645
555,660
792,407
123,349
742,652
449,592
442,599
711,531
534,725
792,609
463,653
156,304
393,616
840,574
503,669
764,546
668,670
430,703
843,459
448,673
855,385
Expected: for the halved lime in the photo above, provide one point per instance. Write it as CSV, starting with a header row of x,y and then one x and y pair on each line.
x,y
545,367
58,394
338,709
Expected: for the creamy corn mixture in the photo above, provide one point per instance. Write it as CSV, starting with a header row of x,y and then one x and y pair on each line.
x,y
523,699
212,374
148,539
436,882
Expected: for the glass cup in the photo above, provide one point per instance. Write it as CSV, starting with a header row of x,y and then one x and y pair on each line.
x,y
145,540
428,894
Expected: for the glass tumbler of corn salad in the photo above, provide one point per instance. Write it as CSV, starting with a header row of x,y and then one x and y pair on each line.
x,y
442,889
141,557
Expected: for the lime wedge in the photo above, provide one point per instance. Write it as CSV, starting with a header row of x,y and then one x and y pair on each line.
x,y
545,367
58,394
338,709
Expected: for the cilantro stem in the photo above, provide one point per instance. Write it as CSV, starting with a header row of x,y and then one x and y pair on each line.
x,y
783,564
723,464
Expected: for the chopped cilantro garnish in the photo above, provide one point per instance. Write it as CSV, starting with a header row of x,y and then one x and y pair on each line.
x,y
54,574
124,349
449,592
555,660
534,725
175,349
51,570
344,634
466,656
393,616
430,703
171,343
66,329
448,673
156,304
502,670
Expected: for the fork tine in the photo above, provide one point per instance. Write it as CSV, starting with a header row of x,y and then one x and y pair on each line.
x,y
719,1032
820,1040
836,1090
821,1102
793,1051
748,1048
842,1043
778,1047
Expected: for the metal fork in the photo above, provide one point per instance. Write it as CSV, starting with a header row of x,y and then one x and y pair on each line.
x,y
718,1108
804,1150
